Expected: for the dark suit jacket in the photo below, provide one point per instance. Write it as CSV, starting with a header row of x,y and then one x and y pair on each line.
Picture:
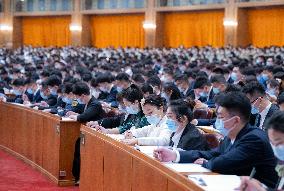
x,y
92,112
37,98
250,149
191,139
109,97
253,117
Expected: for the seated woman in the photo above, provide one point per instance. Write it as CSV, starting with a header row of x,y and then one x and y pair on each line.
x,y
134,115
155,134
185,135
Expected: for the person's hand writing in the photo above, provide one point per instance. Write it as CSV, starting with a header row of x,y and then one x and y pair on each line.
x,y
248,184
164,154
128,135
200,161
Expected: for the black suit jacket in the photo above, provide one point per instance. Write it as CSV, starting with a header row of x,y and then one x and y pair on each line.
x,y
191,139
92,112
253,117
251,148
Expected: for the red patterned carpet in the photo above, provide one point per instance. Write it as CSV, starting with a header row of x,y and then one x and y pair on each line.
x,y
15,175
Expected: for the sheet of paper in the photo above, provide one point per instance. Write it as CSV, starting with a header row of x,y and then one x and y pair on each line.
x,y
186,167
217,182
67,119
116,136
147,150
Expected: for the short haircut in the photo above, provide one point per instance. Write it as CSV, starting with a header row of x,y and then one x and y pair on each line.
x,y
122,77
201,82
154,81
146,88
138,78
103,78
181,77
233,88
236,103
53,80
253,88
67,88
218,79
81,88
18,82
276,122
181,108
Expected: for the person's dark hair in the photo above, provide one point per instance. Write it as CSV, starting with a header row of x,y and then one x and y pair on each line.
x,y
156,100
81,88
154,81
218,78
53,80
273,83
181,77
138,78
233,88
200,82
254,88
133,93
122,77
237,103
86,77
276,122
146,88
171,87
103,78
18,82
280,98
181,108
67,88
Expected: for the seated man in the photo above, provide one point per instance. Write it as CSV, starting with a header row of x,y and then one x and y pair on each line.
x,y
204,91
262,108
244,147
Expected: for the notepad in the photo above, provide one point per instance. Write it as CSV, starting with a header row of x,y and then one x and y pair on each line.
x,y
66,119
186,167
216,182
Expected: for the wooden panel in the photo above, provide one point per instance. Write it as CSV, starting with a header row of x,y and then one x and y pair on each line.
x,y
92,164
69,133
124,166
147,178
117,163
38,139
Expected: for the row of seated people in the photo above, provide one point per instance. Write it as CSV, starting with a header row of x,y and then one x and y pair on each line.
x,y
163,106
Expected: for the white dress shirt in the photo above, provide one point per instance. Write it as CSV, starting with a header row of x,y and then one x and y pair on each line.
x,y
152,135
177,137
263,115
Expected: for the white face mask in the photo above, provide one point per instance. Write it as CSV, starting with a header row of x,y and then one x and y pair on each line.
x,y
278,151
95,93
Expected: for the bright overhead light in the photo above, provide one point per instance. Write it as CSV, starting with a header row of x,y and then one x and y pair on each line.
x,y
75,27
149,25
230,22
4,27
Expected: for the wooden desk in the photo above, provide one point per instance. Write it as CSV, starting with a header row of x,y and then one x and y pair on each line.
x,y
108,165
41,139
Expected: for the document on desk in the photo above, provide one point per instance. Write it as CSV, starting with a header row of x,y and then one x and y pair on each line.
x,y
216,182
147,150
116,136
186,167
67,119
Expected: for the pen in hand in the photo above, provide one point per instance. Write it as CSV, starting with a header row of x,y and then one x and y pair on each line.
x,y
250,177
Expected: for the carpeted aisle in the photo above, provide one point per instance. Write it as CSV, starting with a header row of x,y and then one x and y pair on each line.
x,y
15,175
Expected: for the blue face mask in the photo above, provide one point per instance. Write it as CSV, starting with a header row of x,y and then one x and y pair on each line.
x,y
278,151
203,94
171,125
132,110
271,92
234,76
80,101
67,100
219,125
30,91
53,92
265,77
119,89
43,96
153,119
17,92
254,110
216,90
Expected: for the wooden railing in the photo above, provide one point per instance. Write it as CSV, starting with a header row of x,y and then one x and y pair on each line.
x,y
41,139
108,165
